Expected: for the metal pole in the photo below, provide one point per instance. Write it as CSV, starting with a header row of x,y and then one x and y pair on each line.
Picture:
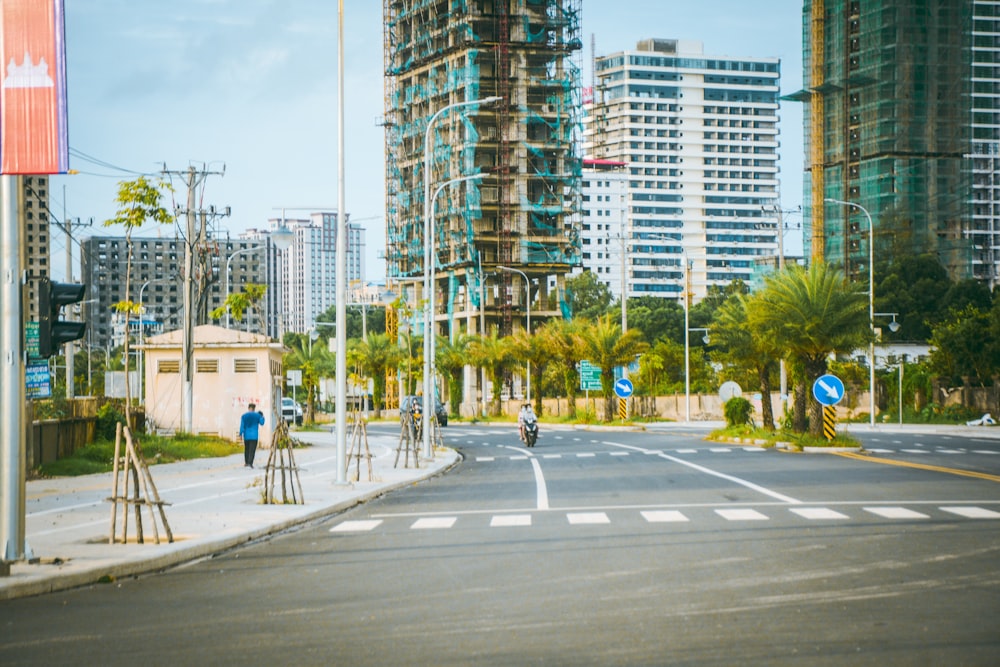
x,y
482,323
340,264
12,393
687,345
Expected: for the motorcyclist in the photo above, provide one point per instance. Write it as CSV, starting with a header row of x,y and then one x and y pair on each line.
x,y
525,415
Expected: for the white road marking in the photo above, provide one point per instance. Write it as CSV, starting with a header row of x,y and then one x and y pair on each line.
x,y
356,526
486,459
949,451
540,489
585,456
741,515
972,512
882,451
431,523
816,513
508,520
686,451
551,456
913,451
720,449
984,451
663,516
588,518
895,513
708,471
618,453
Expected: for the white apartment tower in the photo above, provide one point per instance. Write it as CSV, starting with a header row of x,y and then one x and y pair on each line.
x,y
309,265
698,136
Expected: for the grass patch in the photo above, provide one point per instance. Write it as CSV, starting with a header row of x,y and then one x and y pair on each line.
x,y
770,438
99,456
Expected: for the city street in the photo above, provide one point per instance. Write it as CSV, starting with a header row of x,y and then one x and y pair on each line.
x,y
596,547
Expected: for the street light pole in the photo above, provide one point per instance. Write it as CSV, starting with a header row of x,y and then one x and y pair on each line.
x,y
527,306
871,303
429,342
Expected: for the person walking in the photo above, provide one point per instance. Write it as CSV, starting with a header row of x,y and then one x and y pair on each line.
x,y
250,422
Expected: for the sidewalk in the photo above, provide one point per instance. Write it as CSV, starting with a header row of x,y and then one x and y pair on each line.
x,y
214,505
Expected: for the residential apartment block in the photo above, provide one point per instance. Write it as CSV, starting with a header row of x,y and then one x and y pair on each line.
x,y
698,137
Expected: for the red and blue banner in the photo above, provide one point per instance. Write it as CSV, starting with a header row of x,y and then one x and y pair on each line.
x,y
33,132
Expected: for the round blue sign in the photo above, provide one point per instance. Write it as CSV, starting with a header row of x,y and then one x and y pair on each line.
x,y
828,389
624,388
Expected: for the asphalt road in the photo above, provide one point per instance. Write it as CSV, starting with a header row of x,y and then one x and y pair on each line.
x,y
594,548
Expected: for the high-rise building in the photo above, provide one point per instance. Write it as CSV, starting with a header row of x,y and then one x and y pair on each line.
x,y
489,91
35,234
603,228
699,136
157,283
309,267
903,122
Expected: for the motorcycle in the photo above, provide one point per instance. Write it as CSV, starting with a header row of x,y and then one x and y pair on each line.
x,y
530,431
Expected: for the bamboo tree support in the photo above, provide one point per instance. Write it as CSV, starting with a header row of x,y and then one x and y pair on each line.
x,y
281,460
359,436
408,442
131,466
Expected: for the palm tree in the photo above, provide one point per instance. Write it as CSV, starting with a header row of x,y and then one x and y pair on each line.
x,y
811,314
607,347
742,347
491,353
452,358
374,357
532,350
315,361
561,341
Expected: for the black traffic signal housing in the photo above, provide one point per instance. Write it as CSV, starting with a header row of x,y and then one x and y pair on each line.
x,y
53,332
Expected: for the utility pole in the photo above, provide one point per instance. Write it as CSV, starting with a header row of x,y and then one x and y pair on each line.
x,y
193,178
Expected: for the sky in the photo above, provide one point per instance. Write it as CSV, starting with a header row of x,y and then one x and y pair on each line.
x,y
250,87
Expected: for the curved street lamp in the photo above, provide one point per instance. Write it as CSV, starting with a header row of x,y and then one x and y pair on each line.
x,y
871,302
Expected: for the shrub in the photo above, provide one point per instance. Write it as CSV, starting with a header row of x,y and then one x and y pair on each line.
x,y
108,416
738,411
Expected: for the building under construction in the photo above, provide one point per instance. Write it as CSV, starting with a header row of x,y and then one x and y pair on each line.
x,y
897,109
517,214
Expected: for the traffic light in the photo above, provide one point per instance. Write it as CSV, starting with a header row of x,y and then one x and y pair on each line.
x,y
53,332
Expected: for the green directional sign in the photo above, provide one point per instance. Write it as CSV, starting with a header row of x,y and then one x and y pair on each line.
x,y
590,376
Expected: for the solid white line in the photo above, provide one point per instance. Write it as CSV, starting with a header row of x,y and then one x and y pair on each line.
x,y
543,493
708,471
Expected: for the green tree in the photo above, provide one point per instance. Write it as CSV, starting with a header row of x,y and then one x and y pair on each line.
x,y
607,347
315,361
491,353
739,346
915,286
373,358
963,346
139,201
811,314
238,303
452,358
588,297
561,340
657,318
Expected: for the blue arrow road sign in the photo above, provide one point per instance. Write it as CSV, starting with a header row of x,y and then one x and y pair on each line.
x,y
624,388
828,389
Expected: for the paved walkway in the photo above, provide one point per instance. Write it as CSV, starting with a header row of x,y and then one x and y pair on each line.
x,y
215,504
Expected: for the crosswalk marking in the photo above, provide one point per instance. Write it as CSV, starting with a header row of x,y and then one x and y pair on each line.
x,y
356,526
664,516
741,515
973,512
660,516
432,523
507,520
895,513
818,513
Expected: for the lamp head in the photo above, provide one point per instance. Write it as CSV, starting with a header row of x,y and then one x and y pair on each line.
x,y
282,237
894,326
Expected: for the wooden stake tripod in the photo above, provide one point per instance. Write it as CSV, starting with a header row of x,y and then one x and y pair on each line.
x,y
134,467
281,459
359,436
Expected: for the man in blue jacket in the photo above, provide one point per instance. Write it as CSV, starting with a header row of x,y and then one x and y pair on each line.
x,y
249,423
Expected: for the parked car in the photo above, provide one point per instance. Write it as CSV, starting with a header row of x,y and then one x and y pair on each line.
x,y
291,411
440,411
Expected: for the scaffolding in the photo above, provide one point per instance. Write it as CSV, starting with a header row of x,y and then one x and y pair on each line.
x,y
887,128
524,213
